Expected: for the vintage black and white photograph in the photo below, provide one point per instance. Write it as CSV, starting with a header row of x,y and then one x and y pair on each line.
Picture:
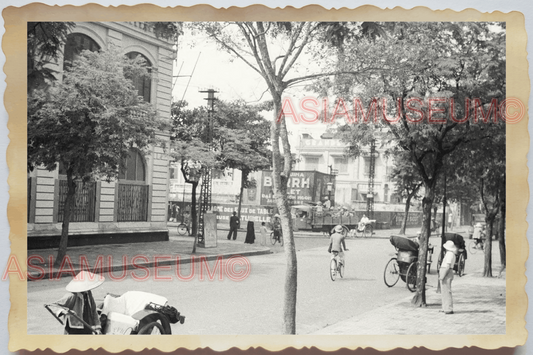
x,y
302,178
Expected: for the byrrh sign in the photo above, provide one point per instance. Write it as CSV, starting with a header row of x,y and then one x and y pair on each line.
x,y
302,187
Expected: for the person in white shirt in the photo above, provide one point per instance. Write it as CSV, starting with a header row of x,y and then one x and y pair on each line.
x,y
446,276
327,204
336,242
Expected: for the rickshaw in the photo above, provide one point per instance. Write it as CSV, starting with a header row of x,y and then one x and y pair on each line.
x,y
460,258
135,312
405,264
364,229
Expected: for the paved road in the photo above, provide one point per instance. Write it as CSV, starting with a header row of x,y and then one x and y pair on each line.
x,y
254,306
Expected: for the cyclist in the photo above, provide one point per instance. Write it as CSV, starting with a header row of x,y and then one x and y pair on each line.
x,y
276,227
478,235
336,242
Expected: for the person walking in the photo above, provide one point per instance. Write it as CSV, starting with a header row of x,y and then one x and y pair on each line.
x,y
250,233
446,276
233,226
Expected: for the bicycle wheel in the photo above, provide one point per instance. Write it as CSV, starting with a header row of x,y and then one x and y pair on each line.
x,y
369,230
411,277
333,269
182,229
272,238
461,265
472,247
341,270
392,272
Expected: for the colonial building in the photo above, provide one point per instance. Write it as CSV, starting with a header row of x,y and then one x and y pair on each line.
x,y
327,154
133,207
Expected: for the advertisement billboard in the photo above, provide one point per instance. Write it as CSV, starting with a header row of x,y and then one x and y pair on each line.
x,y
303,187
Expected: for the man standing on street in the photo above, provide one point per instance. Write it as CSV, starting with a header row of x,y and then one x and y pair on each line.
x,y
233,226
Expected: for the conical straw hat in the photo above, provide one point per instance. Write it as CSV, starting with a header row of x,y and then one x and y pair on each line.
x,y
85,281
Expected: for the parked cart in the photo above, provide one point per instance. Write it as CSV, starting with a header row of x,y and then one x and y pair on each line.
x,y
134,312
405,264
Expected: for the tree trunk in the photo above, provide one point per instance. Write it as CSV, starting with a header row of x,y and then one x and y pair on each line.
x,y
243,179
280,178
501,237
406,215
194,215
419,298
487,265
69,203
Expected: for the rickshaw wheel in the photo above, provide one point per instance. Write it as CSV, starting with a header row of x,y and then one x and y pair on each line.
x,y
392,272
152,328
410,279
368,231
461,265
182,229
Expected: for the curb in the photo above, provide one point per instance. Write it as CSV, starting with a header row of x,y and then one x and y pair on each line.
x,y
177,259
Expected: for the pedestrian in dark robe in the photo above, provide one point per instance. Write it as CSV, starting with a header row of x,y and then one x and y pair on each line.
x,y
233,226
250,233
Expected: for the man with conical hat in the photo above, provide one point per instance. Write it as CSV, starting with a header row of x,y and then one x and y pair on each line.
x,y
446,276
80,300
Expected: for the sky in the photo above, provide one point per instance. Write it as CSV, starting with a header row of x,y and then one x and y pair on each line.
x,y
525,7
201,65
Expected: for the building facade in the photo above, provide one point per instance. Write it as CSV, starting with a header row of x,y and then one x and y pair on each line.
x,y
134,206
327,154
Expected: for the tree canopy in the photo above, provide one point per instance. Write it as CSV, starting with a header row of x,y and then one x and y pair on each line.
x,y
89,121
439,80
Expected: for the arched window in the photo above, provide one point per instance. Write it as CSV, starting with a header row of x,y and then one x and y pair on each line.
x,y
134,170
77,42
142,84
133,192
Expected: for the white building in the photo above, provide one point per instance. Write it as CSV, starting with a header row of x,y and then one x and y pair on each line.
x,y
326,154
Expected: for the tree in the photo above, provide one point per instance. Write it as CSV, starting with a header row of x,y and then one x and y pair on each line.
x,y
44,47
190,147
273,50
484,165
88,122
251,42
239,141
428,63
407,183
242,136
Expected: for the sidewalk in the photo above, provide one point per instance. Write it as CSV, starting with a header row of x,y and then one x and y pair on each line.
x,y
120,257
479,308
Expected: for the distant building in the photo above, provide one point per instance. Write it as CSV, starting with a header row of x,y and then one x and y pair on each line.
x,y
134,207
327,154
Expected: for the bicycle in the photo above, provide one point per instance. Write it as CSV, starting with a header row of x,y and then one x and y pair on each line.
x,y
278,238
183,229
336,266
475,245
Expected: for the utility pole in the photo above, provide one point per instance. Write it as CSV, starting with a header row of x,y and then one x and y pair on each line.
x,y
371,175
205,191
